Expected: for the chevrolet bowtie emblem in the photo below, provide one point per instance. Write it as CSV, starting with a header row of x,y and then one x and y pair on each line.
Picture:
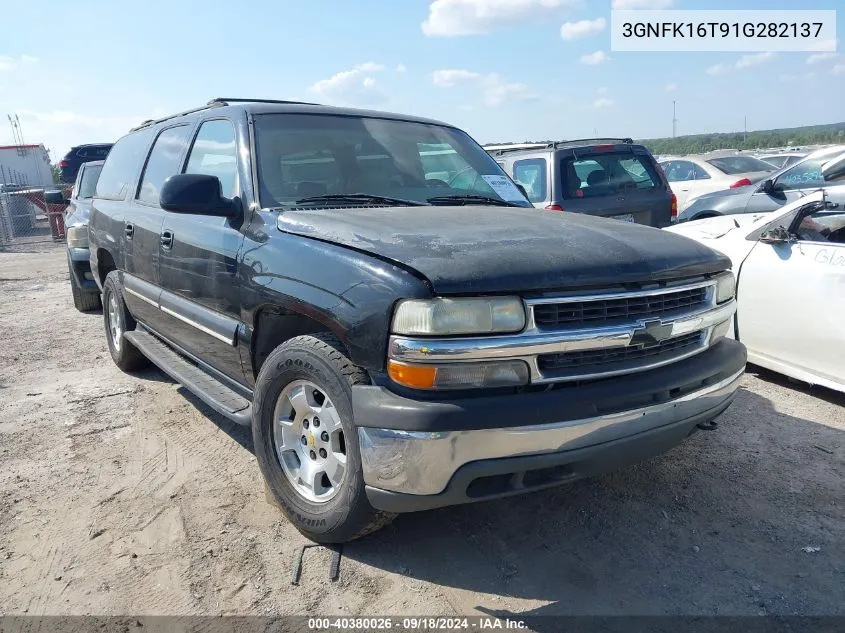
x,y
651,334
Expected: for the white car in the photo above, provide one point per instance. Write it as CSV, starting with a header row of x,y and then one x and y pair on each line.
x,y
693,176
790,271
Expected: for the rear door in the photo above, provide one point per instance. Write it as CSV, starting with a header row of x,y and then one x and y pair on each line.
x,y
615,181
144,222
200,298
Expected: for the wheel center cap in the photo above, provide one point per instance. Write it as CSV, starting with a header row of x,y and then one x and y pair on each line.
x,y
311,439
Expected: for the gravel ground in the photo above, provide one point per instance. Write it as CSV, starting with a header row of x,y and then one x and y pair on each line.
x,y
122,494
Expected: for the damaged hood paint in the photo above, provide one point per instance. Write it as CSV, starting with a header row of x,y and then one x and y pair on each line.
x,y
479,249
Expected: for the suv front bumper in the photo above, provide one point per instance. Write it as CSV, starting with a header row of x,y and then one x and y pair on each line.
x,y
422,454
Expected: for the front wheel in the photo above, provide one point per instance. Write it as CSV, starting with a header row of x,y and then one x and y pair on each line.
x,y
305,439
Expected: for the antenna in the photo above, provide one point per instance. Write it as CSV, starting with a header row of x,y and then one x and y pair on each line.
x,y
674,120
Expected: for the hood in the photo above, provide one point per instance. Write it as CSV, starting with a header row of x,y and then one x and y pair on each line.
x,y
479,249
718,227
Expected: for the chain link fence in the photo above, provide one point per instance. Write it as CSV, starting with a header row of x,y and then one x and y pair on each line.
x,y
27,218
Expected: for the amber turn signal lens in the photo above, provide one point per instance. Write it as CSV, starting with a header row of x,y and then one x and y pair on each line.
x,y
413,376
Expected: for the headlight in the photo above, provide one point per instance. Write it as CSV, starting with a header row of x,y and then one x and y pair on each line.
x,y
436,317
509,373
77,236
725,287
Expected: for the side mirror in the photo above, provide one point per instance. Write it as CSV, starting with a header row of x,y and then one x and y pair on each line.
x,y
834,169
767,186
55,197
777,235
196,194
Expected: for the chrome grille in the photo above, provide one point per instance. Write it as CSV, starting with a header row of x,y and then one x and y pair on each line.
x,y
599,360
618,310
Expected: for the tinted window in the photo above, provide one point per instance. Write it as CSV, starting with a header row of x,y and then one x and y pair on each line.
x,y
88,181
163,162
122,165
303,155
531,174
679,170
699,172
214,153
804,175
777,161
607,174
99,152
740,164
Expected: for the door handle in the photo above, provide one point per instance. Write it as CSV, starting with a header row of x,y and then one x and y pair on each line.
x,y
167,240
129,230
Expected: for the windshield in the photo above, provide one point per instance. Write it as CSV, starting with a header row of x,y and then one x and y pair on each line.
x,y
88,185
306,155
740,164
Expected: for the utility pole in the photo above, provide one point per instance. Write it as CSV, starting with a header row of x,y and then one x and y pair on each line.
x,y
745,128
674,120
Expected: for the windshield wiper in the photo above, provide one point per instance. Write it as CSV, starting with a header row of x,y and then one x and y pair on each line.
x,y
472,199
359,198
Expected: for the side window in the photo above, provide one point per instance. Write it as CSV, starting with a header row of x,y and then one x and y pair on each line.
x,y
215,153
680,170
163,162
825,225
531,174
804,175
699,173
122,165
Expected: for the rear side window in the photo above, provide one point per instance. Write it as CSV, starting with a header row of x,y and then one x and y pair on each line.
x,y
732,165
531,174
122,165
163,162
214,154
607,174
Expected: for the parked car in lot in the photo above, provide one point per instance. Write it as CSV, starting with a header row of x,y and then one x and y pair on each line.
x,y
782,159
778,189
613,178
398,341
790,267
86,294
69,165
694,176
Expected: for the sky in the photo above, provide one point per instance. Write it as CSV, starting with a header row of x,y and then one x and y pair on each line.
x,y
504,70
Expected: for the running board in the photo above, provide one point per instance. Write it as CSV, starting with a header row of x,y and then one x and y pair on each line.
x,y
202,384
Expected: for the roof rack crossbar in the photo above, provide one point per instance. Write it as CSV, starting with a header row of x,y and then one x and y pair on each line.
x,y
227,100
523,147
621,140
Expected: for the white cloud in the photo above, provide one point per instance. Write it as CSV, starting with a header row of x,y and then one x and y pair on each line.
x,y
602,90
451,18
746,61
9,63
495,89
642,4
594,59
824,45
753,60
582,28
401,68
839,69
356,87
602,102
818,58
452,77
670,87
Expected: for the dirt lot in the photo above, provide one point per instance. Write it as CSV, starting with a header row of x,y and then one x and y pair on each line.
x,y
121,494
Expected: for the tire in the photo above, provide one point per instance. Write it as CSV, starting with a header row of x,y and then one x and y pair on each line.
x,y
123,353
316,360
83,300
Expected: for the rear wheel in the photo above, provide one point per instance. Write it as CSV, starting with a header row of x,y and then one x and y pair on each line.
x,y
118,321
306,442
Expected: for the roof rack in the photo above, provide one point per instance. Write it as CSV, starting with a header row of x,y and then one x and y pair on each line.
x,y
217,102
519,147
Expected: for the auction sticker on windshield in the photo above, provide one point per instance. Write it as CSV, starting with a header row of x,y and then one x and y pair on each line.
x,y
504,188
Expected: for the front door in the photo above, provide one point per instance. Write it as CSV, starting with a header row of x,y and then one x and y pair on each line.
x,y
200,297
792,298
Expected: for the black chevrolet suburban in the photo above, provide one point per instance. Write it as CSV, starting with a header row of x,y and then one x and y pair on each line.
x,y
396,338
